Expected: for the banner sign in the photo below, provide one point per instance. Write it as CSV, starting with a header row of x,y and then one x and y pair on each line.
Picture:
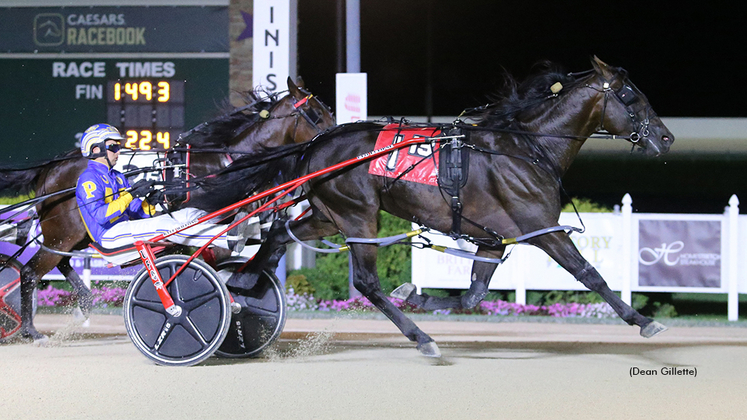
x,y
679,253
600,244
351,97
113,29
271,59
99,267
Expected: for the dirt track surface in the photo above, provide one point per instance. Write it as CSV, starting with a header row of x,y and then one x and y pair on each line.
x,y
364,369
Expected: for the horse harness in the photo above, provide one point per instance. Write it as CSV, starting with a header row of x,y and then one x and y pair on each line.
x,y
177,160
453,171
627,97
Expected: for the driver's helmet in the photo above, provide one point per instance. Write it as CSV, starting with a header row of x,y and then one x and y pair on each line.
x,y
97,135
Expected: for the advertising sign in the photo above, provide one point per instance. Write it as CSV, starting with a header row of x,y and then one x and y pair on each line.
x,y
600,244
273,57
113,29
679,253
152,72
99,268
351,97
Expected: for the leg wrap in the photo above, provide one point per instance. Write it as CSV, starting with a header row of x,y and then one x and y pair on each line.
x,y
590,278
367,288
475,294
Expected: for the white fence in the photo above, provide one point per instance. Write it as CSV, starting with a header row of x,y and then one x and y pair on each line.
x,y
634,252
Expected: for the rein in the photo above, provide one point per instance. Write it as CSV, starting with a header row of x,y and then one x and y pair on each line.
x,y
625,95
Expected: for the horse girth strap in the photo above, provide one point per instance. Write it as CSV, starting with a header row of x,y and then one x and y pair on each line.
x,y
453,171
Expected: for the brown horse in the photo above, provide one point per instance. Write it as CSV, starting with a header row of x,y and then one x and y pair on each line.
x,y
516,153
264,122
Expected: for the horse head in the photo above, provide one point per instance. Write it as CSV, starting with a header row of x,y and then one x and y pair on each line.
x,y
626,112
302,114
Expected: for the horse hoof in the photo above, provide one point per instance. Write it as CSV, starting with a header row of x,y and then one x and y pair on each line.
x,y
242,283
652,329
403,292
85,304
41,342
79,316
429,349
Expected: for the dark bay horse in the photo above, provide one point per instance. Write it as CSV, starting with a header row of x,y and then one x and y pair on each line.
x,y
519,149
266,121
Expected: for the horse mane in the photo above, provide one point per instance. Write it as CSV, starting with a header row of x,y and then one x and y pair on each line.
x,y
516,97
259,171
221,130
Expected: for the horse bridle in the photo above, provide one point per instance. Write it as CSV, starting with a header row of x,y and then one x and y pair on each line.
x,y
309,115
627,97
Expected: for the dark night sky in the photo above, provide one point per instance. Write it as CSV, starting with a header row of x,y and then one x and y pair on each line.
x,y
689,58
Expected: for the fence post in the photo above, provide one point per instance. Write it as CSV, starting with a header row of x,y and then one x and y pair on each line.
x,y
627,257
733,306
520,274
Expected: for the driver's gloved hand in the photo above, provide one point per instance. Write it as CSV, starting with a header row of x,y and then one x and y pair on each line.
x,y
141,188
155,197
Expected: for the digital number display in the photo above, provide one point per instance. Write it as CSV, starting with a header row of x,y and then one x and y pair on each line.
x,y
147,140
144,90
149,113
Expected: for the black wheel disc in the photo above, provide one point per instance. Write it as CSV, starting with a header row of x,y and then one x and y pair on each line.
x,y
193,335
261,319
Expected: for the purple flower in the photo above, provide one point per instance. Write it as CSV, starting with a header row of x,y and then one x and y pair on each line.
x,y
114,296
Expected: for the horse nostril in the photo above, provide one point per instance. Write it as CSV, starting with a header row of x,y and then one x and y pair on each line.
x,y
665,138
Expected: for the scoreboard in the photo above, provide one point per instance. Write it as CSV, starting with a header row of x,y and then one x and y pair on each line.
x,y
153,72
148,110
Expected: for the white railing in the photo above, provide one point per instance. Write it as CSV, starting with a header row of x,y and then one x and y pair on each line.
x,y
634,252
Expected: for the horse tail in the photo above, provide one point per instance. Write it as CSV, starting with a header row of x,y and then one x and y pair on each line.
x,y
15,182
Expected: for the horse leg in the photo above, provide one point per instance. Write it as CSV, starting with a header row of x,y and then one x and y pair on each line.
x,y
366,281
39,265
482,272
269,254
85,297
561,249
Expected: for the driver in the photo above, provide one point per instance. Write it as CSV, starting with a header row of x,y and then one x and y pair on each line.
x,y
117,215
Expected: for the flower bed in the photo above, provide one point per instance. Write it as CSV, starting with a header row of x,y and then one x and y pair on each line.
x,y
114,296
103,297
497,307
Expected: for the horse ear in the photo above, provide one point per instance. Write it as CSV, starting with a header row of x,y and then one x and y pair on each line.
x,y
300,83
602,68
293,89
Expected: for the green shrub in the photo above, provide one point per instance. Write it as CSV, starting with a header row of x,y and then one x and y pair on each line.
x,y
571,296
300,284
18,199
584,205
664,310
442,293
639,301
329,279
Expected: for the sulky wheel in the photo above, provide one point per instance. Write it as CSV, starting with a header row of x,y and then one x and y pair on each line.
x,y
10,297
193,335
261,317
